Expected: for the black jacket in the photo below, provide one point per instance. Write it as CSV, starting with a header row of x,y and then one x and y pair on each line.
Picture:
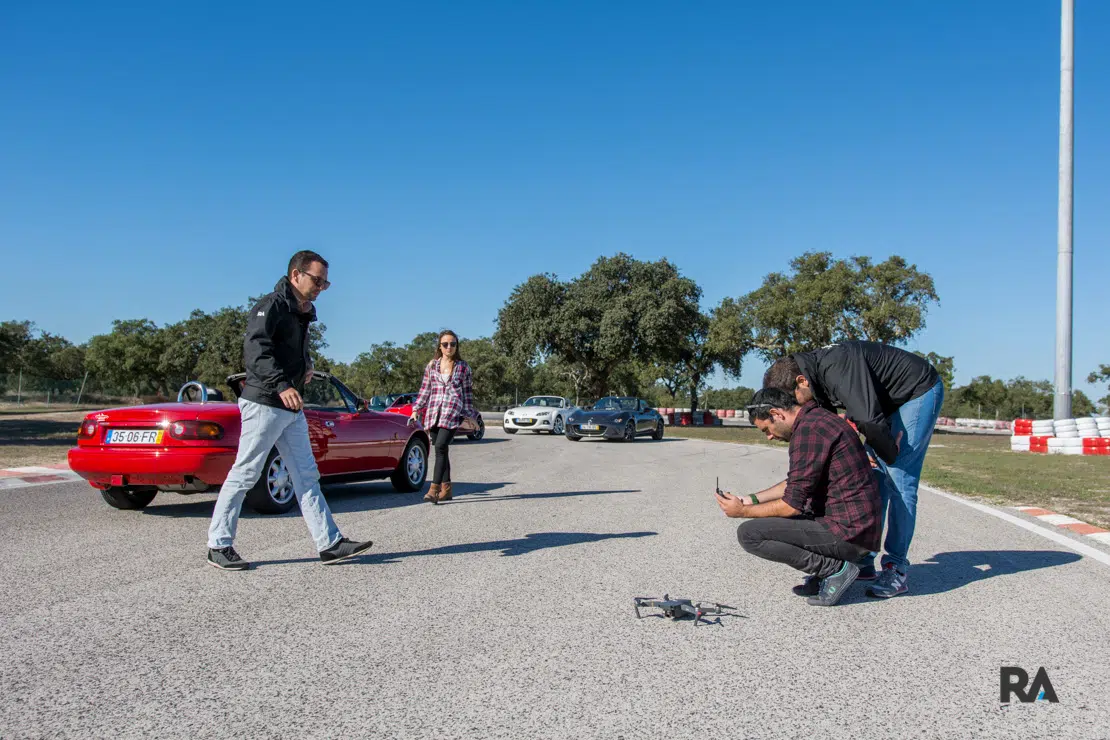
x,y
870,381
275,348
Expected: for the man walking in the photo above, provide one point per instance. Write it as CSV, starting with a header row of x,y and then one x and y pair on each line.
x,y
825,516
275,352
894,399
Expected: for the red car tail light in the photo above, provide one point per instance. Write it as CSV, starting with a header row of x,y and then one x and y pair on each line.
x,y
194,430
87,430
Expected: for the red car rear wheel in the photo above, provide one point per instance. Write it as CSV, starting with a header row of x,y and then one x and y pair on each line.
x,y
128,498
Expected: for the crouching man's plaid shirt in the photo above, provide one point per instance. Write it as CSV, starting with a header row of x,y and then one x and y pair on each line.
x,y
830,477
449,401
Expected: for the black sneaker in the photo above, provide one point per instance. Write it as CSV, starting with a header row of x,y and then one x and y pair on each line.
x,y
867,573
225,558
833,587
811,586
343,550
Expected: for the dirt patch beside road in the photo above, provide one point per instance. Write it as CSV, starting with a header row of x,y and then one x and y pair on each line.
x,y
37,438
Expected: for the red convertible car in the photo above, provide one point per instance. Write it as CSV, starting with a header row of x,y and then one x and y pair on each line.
x,y
403,405
130,454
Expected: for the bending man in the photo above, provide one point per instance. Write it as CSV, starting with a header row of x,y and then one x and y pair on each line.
x,y
894,398
826,515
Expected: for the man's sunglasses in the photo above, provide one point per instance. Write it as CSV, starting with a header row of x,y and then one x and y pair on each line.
x,y
448,344
758,407
318,281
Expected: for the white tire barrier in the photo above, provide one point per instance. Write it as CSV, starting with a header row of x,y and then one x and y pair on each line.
x,y
1065,446
1087,436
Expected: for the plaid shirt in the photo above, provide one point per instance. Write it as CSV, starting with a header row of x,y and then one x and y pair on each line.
x,y
447,402
830,477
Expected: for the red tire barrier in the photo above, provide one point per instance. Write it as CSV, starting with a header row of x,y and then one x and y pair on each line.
x,y
1096,446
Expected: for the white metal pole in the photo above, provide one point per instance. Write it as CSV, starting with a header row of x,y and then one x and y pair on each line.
x,y
1062,401
82,391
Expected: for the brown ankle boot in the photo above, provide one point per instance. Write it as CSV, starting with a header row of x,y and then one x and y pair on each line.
x,y
445,491
433,493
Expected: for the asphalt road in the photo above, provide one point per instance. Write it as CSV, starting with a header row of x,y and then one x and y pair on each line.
x,y
508,613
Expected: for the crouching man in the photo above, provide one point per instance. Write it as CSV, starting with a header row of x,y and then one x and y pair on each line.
x,y
825,515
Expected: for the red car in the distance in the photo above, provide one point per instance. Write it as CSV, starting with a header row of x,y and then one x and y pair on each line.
x,y
131,454
403,405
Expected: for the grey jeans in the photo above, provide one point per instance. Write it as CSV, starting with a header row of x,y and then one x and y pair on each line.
x,y
801,543
263,428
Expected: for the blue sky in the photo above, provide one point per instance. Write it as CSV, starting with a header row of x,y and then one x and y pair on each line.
x,y
158,157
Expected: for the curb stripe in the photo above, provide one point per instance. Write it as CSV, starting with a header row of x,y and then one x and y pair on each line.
x,y
1058,520
1038,529
1067,522
36,475
1033,510
1084,528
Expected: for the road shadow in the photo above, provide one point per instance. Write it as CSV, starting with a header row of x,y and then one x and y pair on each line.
x,y
486,439
529,543
947,571
711,621
479,499
342,498
472,489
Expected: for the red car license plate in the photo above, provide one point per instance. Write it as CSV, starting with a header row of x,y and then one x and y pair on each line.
x,y
134,436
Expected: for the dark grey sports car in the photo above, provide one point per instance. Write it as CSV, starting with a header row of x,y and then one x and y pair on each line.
x,y
616,417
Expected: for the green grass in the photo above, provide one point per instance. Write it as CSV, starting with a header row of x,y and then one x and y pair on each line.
x,y
983,468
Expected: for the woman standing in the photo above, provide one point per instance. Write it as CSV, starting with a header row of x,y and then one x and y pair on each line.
x,y
446,396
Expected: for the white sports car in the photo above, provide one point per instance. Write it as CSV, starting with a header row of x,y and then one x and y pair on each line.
x,y
540,414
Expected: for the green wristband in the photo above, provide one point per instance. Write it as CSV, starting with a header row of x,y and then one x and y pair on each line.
x,y
754,499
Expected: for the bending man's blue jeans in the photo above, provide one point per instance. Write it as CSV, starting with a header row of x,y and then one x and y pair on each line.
x,y
265,427
898,482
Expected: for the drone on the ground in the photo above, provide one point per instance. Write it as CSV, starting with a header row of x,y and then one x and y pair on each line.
x,y
679,608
